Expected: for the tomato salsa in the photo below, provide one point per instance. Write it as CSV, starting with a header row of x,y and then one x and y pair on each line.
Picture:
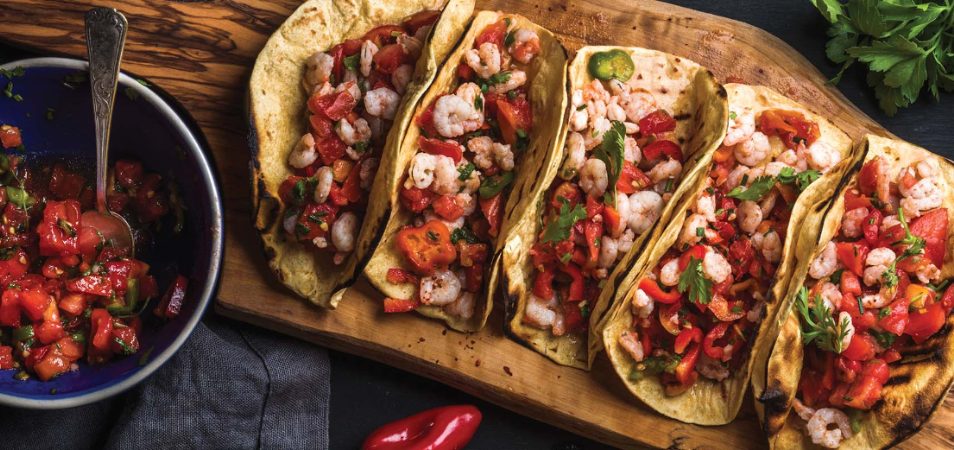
x,y
698,310
68,294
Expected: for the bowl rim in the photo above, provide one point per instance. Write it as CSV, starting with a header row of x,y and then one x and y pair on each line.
x,y
209,178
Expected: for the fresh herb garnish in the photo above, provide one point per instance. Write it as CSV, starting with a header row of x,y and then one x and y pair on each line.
x,y
465,171
755,191
463,234
610,152
559,228
693,281
801,180
351,62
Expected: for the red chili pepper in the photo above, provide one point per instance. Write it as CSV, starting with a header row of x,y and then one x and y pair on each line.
x,y
652,289
444,428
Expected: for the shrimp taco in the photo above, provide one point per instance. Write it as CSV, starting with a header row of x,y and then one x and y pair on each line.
x,y
330,96
482,129
682,335
640,124
864,356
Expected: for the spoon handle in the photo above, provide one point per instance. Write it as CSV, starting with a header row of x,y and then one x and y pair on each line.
x,y
105,37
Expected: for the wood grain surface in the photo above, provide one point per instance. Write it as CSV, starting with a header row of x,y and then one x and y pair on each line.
x,y
202,54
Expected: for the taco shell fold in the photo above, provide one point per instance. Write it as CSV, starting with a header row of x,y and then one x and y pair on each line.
x,y
277,116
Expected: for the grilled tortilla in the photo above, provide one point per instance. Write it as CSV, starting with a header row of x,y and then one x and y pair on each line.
x,y
277,102
691,95
546,75
918,383
707,402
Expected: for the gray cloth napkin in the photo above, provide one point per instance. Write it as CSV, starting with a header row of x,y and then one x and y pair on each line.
x,y
231,386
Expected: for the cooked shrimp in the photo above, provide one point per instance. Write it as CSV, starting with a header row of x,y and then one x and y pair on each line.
x,y
469,92
711,368
622,208
740,129
401,77
614,111
852,222
352,134
526,45
772,246
825,263
485,60
750,216
599,127
579,118
472,183
715,267
503,156
304,154
411,45
382,102
693,229
516,79
463,307
922,196
788,157
366,174
774,168
768,202
441,288
830,295
453,116
594,90
669,273
575,156
631,151
351,87
318,69
630,343
644,210
872,275
482,146
818,427
290,222
609,250
625,242
735,176
342,232
430,215
538,312
927,272
368,50
642,304
422,170
875,300
593,177
880,256
446,180
668,169
821,156
754,150
637,104
705,206
631,128
325,178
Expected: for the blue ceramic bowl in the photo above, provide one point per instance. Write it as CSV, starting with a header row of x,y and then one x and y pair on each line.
x,y
148,128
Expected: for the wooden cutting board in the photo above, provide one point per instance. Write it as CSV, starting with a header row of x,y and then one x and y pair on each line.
x,y
202,54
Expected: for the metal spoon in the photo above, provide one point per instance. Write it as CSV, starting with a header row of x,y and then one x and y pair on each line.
x,y
105,37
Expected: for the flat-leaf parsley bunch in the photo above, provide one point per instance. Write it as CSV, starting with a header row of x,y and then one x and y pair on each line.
x,y
906,45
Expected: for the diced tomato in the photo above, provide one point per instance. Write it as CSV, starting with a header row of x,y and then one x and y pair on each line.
x,y
128,337
852,255
172,301
923,324
592,231
321,126
339,52
13,267
543,284
573,318
49,331
426,121
34,303
947,300
464,72
474,278
862,347
6,357
611,218
91,284
791,126
51,364
426,248
871,228
897,319
933,227
333,106
891,355
10,136
657,149
741,254
492,209
66,185
866,390
656,122
493,33
855,201
330,149
514,117
397,305
849,304
870,175
446,206
102,329
686,336
389,58
10,308
846,369
315,220
568,191
73,303
416,200
421,19
61,221
441,147
631,179
654,291
400,276
850,283
351,188
383,35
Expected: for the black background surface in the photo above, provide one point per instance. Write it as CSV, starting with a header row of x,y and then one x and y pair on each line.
x,y
366,394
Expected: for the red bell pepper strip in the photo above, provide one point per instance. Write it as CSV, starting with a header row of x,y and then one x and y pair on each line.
x,y
685,370
444,428
399,305
697,252
576,282
686,336
708,344
652,289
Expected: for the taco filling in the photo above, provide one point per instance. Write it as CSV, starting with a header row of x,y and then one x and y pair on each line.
x,y
698,310
354,90
457,183
622,165
874,289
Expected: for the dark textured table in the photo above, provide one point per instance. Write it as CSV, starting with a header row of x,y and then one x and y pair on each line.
x,y
366,394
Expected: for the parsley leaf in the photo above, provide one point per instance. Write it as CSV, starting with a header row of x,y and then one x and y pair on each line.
x,y
463,234
915,245
818,325
611,153
465,171
559,229
351,62
693,281
755,191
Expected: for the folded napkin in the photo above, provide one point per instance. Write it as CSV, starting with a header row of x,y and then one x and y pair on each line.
x,y
230,386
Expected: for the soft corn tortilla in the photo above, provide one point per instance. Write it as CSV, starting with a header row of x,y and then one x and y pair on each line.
x,y
698,102
918,383
546,77
277,105
708,402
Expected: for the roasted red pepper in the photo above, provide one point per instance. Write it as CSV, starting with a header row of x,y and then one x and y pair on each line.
x,y
444,428
399,305
652,289
426,248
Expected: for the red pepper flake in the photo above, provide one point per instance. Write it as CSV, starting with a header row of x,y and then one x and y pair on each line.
x,y
507,370
477,363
